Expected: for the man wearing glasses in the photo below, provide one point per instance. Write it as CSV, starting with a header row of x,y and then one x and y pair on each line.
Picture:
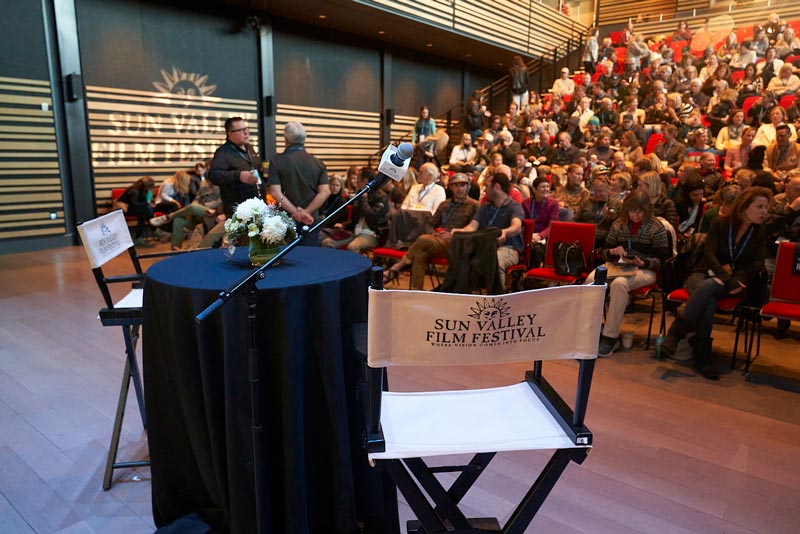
x,y
235,166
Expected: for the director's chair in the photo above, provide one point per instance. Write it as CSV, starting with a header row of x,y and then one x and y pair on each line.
x,y
105,238
418,328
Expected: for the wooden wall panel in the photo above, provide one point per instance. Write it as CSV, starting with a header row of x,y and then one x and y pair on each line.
x,y
137,133
616,12
31,201
525,27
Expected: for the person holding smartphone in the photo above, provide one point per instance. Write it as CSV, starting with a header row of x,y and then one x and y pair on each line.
x,y
635,238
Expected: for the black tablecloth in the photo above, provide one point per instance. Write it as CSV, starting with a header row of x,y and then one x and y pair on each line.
x,y
198,397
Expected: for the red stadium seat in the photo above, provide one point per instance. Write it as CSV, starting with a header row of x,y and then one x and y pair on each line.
x,y
787,100
652,141
736,76
748,103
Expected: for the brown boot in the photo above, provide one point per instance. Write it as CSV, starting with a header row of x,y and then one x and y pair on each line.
x,y
703,364
679,329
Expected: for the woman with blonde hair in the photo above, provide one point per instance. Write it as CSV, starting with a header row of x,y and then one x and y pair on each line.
x,y
174,193
651,183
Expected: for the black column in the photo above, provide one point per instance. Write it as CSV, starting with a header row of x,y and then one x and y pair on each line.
x,y
69,111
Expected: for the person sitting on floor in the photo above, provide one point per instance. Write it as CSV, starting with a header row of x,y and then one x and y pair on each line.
x,y
456,212
370,215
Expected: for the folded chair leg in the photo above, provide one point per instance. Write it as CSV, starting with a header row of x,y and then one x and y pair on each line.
x,y
446,507
650,326
416,500
127,375
536,496
468,476
131,339
114,445
739,324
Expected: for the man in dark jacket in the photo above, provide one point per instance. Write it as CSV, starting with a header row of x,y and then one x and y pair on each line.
x,y
235,166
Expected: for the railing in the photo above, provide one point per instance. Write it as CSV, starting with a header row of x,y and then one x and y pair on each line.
x,y
526,27
541,72
738,14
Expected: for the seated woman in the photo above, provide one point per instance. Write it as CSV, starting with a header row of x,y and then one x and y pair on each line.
x,y
174,193
787,44
651,183
737,156
204,204
334,201
785,83
690,207
734,250
723,200
543,209
137,200
635,238
749,85
630,147
767,134
730,135
369,217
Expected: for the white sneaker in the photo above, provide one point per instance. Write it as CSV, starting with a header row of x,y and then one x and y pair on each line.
x,y
158,221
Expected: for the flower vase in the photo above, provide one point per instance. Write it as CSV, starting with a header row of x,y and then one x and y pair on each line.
x,y
260,252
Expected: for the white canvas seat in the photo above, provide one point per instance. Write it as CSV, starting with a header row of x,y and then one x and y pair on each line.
x,y
509,418
132,300
417,328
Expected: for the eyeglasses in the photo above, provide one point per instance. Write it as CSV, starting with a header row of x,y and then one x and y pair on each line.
x,y
238,130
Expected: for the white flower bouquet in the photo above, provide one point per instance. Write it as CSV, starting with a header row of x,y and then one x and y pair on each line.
x,y
266,226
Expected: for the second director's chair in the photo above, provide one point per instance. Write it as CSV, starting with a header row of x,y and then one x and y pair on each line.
x,y
414,328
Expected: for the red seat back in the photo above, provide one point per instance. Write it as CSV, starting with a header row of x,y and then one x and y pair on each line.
x,y
652,141
748,103
787,100
785,285
570,232
736,76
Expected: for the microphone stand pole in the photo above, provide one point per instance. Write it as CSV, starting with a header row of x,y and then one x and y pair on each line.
x,y
247,285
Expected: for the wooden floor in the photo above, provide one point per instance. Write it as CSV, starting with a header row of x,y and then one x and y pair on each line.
x,y
673,452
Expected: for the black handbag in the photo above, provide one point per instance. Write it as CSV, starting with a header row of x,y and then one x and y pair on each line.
x,y
568,258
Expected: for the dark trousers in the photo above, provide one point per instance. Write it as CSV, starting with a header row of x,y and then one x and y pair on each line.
x,y
703,303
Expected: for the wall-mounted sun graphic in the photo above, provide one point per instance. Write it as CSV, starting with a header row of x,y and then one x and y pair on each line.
x,y
489,309
184,83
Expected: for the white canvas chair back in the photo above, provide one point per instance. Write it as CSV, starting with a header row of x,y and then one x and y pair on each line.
x,y
427,328
105,237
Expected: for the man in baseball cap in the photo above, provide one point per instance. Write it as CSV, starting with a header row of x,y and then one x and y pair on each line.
x,y
455,212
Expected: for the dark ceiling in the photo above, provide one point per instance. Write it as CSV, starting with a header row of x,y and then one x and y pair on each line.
x,y
353,18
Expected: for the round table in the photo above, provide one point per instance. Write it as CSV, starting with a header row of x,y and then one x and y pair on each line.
x,y
197,395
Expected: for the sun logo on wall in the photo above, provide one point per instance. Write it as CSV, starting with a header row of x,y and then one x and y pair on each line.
x,y
489,309
184,83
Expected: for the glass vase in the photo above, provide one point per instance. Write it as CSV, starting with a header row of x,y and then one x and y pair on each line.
x,y
260,252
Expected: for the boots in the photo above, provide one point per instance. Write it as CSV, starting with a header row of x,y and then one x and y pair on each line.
x,y
679,329
703,364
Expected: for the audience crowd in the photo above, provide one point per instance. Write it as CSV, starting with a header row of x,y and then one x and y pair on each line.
x,y
655,143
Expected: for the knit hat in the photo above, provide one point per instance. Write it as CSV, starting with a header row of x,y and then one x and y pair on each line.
x,y
594,120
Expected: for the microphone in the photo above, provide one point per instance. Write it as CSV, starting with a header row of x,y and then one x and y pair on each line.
x,y
394,162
